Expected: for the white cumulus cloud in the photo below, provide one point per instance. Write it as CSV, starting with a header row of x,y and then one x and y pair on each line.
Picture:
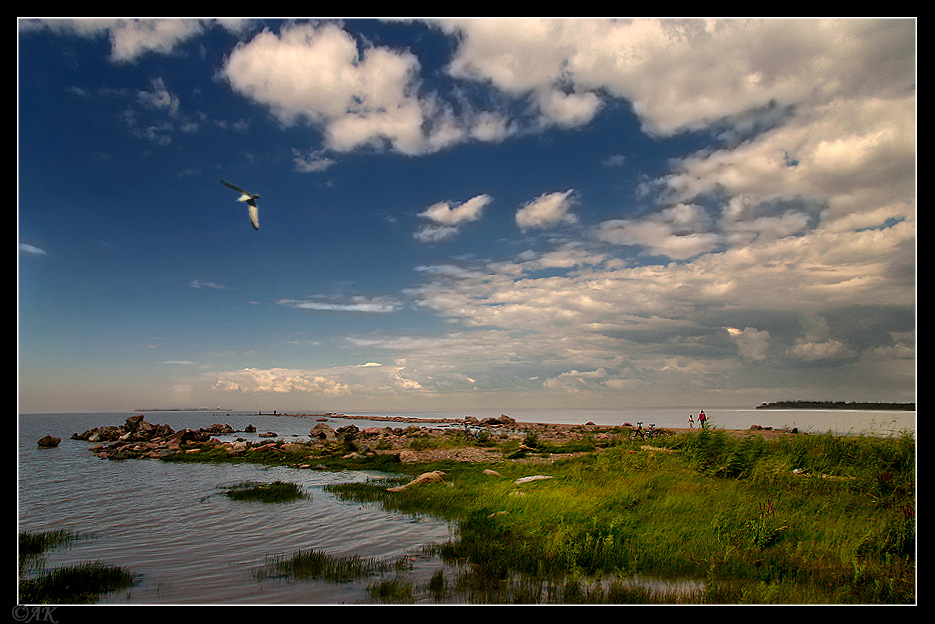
x,y
547,210
444,218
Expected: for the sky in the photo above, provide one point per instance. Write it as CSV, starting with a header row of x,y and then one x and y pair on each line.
x,y
475,214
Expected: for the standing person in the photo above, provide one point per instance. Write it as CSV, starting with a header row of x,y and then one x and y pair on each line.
x,y
702,419
691,422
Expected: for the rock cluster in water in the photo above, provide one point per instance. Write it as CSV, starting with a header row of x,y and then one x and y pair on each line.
x,y
138,438
48,441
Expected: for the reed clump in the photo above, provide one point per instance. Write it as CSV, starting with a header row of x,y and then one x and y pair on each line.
x,y
36,543
388,585
274,492
319,565
82,583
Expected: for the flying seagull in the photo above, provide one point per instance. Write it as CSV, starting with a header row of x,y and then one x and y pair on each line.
x,y
249,198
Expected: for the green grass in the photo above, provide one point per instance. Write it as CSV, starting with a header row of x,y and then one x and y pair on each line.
x,y
802,519
275,492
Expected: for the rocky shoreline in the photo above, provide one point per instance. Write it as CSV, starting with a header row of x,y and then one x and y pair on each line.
x,y
137,438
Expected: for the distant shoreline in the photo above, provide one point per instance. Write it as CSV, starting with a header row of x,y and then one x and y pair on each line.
x,y
904,407
184,409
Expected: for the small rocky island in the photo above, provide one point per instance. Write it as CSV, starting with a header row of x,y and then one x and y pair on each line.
x,y
138,438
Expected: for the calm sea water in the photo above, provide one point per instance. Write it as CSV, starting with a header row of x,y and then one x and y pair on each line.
x,y
840,422
170,523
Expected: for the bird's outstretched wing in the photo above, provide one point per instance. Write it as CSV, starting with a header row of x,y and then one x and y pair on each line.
x,y
236,188
254,214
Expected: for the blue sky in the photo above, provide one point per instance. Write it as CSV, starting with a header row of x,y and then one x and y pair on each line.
x,y
476,214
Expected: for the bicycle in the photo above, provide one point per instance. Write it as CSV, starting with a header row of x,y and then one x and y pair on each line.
x,y
648,433
639,432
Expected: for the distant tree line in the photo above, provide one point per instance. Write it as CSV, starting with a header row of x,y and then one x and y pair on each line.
x,y
838,405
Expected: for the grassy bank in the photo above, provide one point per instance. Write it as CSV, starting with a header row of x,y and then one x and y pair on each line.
x,y
734,517
794,520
